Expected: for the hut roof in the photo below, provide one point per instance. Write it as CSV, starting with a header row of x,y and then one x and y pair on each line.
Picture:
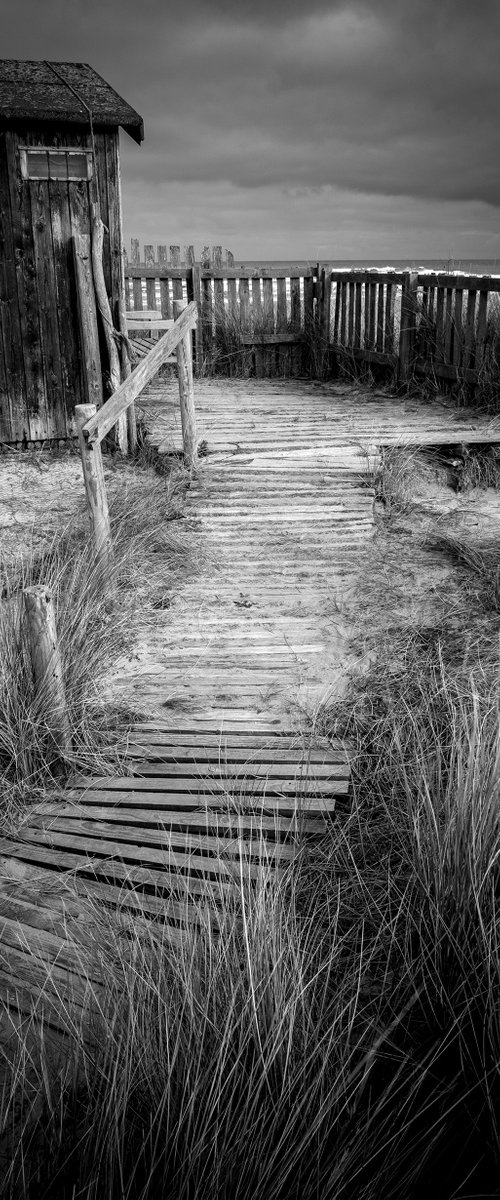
x,y
35,91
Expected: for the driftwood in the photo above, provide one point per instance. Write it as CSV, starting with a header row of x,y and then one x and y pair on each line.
x,y
115,373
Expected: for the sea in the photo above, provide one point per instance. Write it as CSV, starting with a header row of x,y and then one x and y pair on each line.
x,y
466,266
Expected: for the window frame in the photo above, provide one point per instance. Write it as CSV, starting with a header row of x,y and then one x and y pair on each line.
x,y
68,151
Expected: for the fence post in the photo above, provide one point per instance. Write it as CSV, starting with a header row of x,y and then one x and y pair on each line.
x,y
323,313
408,323
46,662
186,391
97,502
193,285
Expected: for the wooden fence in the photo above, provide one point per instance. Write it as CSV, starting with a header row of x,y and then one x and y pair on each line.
x,y
418,323
258,317
288,320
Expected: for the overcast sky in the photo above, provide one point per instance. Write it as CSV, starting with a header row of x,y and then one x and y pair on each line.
x,y
279,128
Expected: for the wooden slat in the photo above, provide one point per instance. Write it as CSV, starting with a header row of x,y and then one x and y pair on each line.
x,y
27,301
53,420
380,317
448,325
177,278
68,888
248,771
123,836
149,259
201,821
190,789
225,865
343,312
482,315
26,855
389,320
440,324
458,333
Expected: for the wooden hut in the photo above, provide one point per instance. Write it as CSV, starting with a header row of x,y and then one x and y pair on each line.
x,y
59,177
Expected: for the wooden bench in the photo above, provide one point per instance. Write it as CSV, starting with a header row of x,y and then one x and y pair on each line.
x,y
144,326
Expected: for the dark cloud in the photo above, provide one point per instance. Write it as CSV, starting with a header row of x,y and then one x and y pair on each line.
x,y
369,97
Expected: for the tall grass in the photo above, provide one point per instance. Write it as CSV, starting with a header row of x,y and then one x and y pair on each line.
x,y
329,1034
227,352
333,1033
90,634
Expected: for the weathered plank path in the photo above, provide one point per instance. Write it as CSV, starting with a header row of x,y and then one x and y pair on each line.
x,y
229,767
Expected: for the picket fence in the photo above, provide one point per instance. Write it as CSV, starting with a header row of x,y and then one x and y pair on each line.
x,y
293,319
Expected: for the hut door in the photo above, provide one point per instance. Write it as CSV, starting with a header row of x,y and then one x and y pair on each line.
x,y
58,183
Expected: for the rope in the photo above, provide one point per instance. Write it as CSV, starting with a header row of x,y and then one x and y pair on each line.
x,y
89,114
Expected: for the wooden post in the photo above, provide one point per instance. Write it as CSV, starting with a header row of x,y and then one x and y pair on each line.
x,y
88,318
47,667
194,293
126,370
186,391
408,323
97,502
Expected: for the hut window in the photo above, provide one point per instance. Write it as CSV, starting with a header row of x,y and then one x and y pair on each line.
x,y
47,162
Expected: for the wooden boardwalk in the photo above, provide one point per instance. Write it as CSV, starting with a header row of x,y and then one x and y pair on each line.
x,y
228,770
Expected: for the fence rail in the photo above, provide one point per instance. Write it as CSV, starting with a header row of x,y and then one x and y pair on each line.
x,y
282,320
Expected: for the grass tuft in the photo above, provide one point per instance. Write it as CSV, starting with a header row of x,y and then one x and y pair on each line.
x,y
90,635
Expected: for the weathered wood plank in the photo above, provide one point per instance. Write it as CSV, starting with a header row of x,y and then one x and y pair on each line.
x,y
72,379
223,865
27,299
192,841
149,259
481,327
380,317
88,866
91,360
201,822
469,356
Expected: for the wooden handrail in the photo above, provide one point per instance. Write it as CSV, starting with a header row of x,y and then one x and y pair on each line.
x,y
99,425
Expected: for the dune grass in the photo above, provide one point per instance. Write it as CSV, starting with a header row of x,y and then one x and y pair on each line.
x,y
332,1034
337,1035
91,635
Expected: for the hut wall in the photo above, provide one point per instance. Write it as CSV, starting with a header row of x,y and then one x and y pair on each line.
x,y
41,377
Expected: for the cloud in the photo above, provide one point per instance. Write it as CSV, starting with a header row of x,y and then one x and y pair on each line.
x,y
386,98
349,96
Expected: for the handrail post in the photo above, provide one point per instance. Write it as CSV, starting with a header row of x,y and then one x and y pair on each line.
x,y
186,391
46,663
97,501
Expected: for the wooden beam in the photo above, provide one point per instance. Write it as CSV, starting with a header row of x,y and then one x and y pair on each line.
x,y
270,339
186,390
88,319
374,356
97,501
99,424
